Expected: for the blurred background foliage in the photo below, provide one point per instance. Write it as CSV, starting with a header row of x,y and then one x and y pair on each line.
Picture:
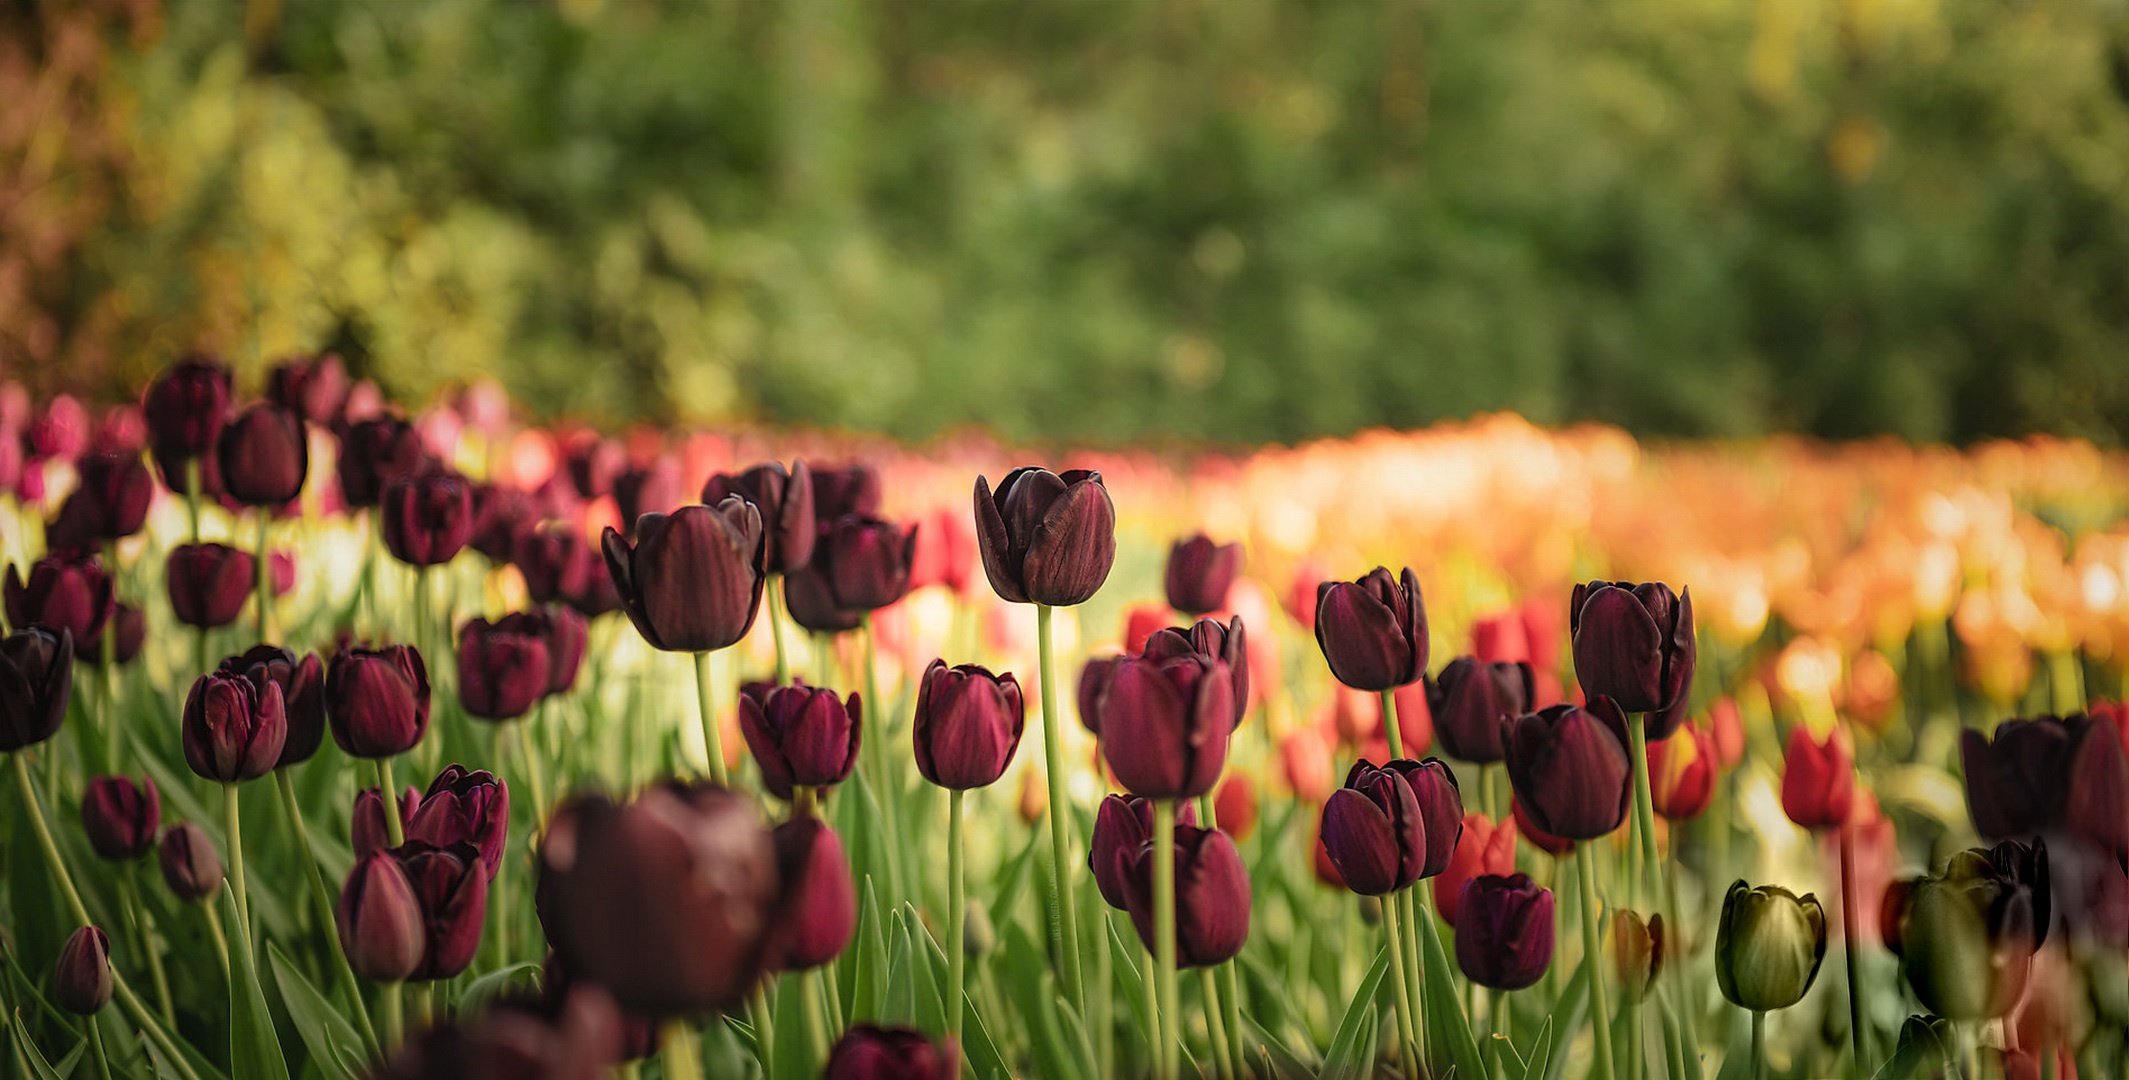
x,y
1245,220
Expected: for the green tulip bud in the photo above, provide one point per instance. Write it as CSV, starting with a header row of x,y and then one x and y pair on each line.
x,y
1965,943
1768,949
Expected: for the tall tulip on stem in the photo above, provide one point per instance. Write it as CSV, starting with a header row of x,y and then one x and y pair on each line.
x,y
1818,793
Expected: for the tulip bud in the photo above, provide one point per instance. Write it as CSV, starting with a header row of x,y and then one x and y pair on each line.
x,y
1504,931
561,631
1374,831
1966,939
264,456
377,700
1211,896
1441,809
801,736
1682,773
1373,632
120,817
452,887
1637,952
373,453
1227,643
1634,644
1122,825
368,832
63,592
849,489
692,580
1818,779
302,684
1165,724
314,388
463,806
110,501
234,728
1199,574
1046,538
380,922
185,408
968,725
36,677
785,500
428,517
567,1034
209,583
1470,698
1768,947
1569,768
502,672
1483,848
868,562
500,515
818,912
81,982
191,869
869,1052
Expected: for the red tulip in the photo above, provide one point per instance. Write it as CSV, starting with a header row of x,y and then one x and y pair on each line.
x,y
1818,779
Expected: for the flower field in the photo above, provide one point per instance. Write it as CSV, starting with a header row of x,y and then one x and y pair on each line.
x,y
354,738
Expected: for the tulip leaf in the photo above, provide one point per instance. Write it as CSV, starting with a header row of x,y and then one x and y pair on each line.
x,y
335,1050
1447,1026
1034,991
1352,1049
1267,990
1011,879
487,988
1124,954
26,1051
791,1055
1568,1012
901,1005
1540,1056
254,1050
931,1008
36,925
868,982
1284,1061
983,1055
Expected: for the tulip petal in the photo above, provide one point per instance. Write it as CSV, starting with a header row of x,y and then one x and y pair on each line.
x,y
1071,550
1619,650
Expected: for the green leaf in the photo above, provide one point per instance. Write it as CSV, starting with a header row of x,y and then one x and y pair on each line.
x,y
488,987
1922,1051
1028,968
37,926
254,1050
1447,1027
1540,1056
901,1007
931,1008
1282,1014
1285,1062
983,1055
1568,1012
1011,879
27,1051
334,1047
1352,1049
868,995
1737,1052
791,1057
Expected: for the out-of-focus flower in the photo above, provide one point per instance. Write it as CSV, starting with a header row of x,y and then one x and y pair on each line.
x,y
801,736
70,593
125,632
1768,946
377,700
185,408
1200,573
1818,779
1682,773
560,566
500,515
845,489
1305,757
1728,728
818,911
1637,952
82,981
463,806
1481,848
1046,538
379,920
593,462
1965,939
868,561
565,635
302,683
110,501
1569,768
653,488
121,817
869,1052
574,1036
968,725
1470,698
811,601
428,516
1211,896
373,454
692,580
1504,931
785,500
503,670
946,551
312,387
1235,804
191,869
209,583
2045,774
1634,644
263,456
234,728
1165,724
1373,632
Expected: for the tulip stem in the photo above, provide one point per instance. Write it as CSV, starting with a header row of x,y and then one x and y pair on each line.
x,y
1759,1045
776,628
392,996
1858,1038
1407,1014
1064,923
534,781
1389,725
144,938
1163,925
262,573
323,899
103,1064
395,829
1593,959
680,1056
712,738
956,916
887,789
1231,1003
1497,1015
192,494
221,939
233,825
1216,1044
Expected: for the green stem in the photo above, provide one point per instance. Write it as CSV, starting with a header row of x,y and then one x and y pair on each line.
x,y
103,1063
956,914
263,574
534,781
144,937
888,789
1231,1002
834,998
1163,930
1593,956
1497,1015
395,829
233,826
392,996
219,937
762,1016
322,899
776,628
1064,923
712,738
192,495
1858,1038
1759,1045
1216,1044
680,1056
1407,1013
807,985
1389,724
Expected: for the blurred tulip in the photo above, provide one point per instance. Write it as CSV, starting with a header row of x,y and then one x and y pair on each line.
x,y
1499,639
128,631
1305,757
567,1036
63,592
2046,774
785,500
593,463
263,456
654,488
428,517
1235,804
1122,825
1768,946
869,1052
1482,848
233,728
1141,622
503,670
377,700
1728,729
801,736
1374,830
1165,724
1965,943
1093,683
841,490
564,634
692,580
1504,931
1046,538
463,806
1682,773
121,817
1470,698
367,831
946,551
1211,896
500,515
373,454
60,429
1818,779
1200,573
379,920
818,912
312,387
452,886
1637,952
209,583
560,566
302,683
867,560
1556,846
81,981
1569,768
191,869
1373,632
811,602
110,501
185,408
967,726
1634,644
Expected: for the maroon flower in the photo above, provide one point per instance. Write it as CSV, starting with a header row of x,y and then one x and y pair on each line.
x,y
1122,826
1634,644
110,502
302,683
870,1052
233,728
504,669
968,724
191,869
1200,573
692,580
464,806
1046,538
264,456
82,982
1211,897
377,700
373,453
185,408
1165,724
452,886
868,561
818,912
380,921
1569,768
428,517
121,817
801,736
36,677
785,500
1374,832
1471,697
209,583
63,592
312,387
1373,632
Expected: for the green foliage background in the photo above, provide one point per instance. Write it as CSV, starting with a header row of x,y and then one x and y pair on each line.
x,y
1101,221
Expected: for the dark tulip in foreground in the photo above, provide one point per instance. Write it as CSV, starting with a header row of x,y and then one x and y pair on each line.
x,y
571,1036
1226,642
451,884
1211,896
36,678
691,581
1768,946
1441,809
81,981
871,1052
367,830
1634,644
1374,832
1166,723
1569,768
1046,538
191,868
801,736
1373,632
968,725
233,727
209,583
121,817
1200,573
1504,931
379,920
377,700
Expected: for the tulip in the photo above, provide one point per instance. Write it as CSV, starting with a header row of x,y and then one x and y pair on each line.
x,y
234,728
1500,638
1165,724
1123,825
302,684
1046,538
1569,768
63,592
1966,939
500,515
1682,773
1441,809
1211,896
1637,953
575,1035
191,869
968,725
121,817
380,921
1373,631
209,583
126,632
263,456
503,671
452,887
1093,683
668,901
314,388
801,736
818,912
1546,842
785,500
1470,698
1142,621
82,982
1483,848
1227,643
1305,759
1235,805
652,489
373,454
593,463
692,580
185,408
811,601
368,831
1199,574
870,1052
1728,731
837,491
1374,831
2046,774
463,806
377,700
1768,946
428,517
868,562
946,549
560,630
1818,779
61,428
1504,931
110,501
1634,644
559,989
560,566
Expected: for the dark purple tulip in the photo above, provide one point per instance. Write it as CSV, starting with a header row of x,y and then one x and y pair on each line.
x,y
801,736
1046,538
121,817
127,630
651,489
1373,632
64,592
560,566
668,901
563,632
785,500
1634,644
967,726
1165,724
377,700
373,453
1199,574
819,909
1093,683
2048,774
593,464
1441,808
639,1038
302,683
1122,826
312,387
428,517
185,408
1504,931
191,869
1211,897
868,561
869,1052
1471,697
464,806
233,728
380,923
368,832
209,583
500,515
111,502
81,981
811,602
1570,769
692,580
452,885
572,1036
1374,832
837,492
1228,643
503,671
264,456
